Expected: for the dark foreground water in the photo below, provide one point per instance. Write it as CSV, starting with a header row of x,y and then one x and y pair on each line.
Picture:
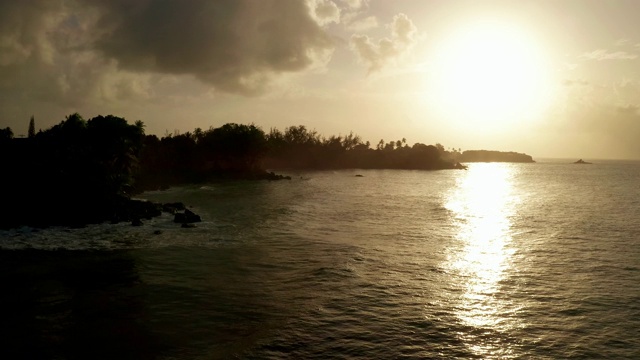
x,y
500,261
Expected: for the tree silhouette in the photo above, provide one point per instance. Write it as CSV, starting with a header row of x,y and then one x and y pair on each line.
x,y
81,170
114,147
32,127
235,147
6,134
198,134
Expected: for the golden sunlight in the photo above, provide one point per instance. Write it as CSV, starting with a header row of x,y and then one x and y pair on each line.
x,y
490,74
482,204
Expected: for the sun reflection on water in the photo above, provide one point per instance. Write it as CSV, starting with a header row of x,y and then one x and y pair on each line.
x,y
482,205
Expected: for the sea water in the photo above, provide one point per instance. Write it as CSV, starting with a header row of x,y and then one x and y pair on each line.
x,y
499,261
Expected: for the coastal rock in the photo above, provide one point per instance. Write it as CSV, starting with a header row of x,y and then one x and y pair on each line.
x,y
125,210
582,162
172,208
186,217
139,209
273,176
179,218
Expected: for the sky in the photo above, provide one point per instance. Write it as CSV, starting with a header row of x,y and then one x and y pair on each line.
x,y
550,78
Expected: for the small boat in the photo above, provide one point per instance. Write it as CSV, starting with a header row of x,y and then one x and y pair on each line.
x,y
581,162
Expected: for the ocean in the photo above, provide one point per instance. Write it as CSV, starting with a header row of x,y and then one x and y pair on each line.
x,y
500,261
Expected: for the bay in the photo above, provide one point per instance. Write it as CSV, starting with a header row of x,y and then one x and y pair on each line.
x,y
499,261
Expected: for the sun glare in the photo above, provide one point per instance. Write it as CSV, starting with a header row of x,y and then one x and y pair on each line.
x,y
483,203
490,74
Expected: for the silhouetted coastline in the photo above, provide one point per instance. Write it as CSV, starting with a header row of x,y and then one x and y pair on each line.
x,y
85,171
494,156
236,151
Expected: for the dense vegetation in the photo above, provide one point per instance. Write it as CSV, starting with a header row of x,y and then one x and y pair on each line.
x,y
297,147
493,156
243,151
73,173
83,171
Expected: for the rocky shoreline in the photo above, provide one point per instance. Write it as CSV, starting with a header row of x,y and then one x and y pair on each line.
x,y
121,210
115,209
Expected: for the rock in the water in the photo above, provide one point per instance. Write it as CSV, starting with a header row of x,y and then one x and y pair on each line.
x,y
136,222
273,176
191,216
142,209
172,208
187,216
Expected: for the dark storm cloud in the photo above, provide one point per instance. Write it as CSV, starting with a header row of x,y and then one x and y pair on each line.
x,y
234,45
64,49
30,68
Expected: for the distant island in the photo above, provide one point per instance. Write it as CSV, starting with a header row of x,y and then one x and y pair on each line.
x,y
582,162
494,156
85,171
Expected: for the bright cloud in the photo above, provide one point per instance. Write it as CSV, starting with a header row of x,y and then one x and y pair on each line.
x,y
356,4
325,11
376,55
365,24
602,54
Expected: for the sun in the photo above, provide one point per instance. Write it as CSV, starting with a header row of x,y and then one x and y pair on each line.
x,y
490,74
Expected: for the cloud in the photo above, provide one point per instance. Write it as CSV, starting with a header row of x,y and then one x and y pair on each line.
x,y
71,52
351,10
602,54
356,4
579,82
325,11
594,130
628,109
365,24
375,56
622,42
23,32
234,45
598,123
42,55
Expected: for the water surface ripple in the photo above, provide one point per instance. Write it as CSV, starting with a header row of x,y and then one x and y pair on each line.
x,y
502,261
